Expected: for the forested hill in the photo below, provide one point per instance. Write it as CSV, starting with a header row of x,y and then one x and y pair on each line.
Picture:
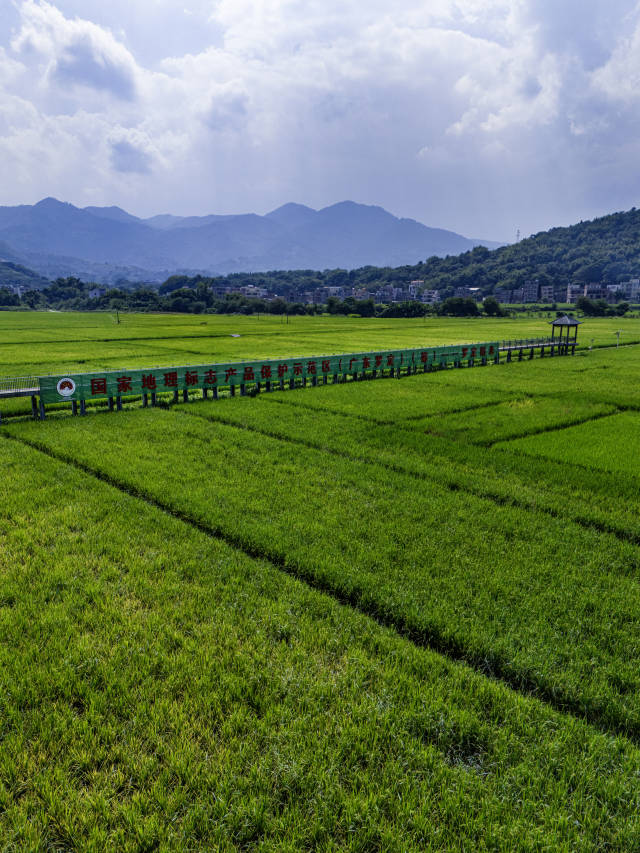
x,y
605,249
12,274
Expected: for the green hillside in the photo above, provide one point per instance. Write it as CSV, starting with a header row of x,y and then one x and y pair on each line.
x,y
605,249
15,274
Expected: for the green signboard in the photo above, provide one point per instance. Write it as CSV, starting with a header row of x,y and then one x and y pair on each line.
x,y
122,383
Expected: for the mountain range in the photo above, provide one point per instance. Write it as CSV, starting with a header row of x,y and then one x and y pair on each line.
x,y
106,243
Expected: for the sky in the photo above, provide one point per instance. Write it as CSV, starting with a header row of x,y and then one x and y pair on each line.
x,y
481,116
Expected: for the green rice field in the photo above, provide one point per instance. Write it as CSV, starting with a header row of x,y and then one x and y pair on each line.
x,y
400,614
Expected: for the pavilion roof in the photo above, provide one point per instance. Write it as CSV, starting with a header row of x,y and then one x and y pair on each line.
x,y
565,321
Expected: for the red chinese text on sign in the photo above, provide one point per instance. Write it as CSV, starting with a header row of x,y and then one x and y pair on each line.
x,y
98,386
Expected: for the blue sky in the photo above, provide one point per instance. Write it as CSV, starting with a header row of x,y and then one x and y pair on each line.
x,y
482,116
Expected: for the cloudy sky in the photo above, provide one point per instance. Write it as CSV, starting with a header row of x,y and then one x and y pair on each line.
x,y
482,116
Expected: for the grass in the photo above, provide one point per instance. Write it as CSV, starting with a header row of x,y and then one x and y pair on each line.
x,y
382,420
163,690
52,342
374,616
592,498
512,418
607,445
544,603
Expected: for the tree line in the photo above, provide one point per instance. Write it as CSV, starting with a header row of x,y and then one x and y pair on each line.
x,y
198,297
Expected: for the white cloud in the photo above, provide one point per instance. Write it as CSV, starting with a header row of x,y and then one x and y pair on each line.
x,y
131,152
73,52
464,113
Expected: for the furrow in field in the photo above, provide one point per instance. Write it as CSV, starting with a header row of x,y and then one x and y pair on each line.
x,y
545,606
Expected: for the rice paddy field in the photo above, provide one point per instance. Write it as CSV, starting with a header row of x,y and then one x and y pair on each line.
x,y
377,615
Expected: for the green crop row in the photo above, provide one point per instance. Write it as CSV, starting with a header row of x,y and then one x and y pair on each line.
x,y
591,497
545,604
603,376
161,690
510,419
612,445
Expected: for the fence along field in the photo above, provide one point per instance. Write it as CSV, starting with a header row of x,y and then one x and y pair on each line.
x,y
264,373
255,516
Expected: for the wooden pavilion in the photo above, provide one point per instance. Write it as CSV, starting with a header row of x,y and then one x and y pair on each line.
x,y
564,334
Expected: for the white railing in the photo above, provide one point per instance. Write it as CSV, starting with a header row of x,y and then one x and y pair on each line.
x,y
18,385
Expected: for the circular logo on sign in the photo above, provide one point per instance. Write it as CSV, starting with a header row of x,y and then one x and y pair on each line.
x,y
66,387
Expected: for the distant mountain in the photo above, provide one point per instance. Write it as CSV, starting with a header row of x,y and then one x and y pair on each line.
x,y
117,214
293,215
8,254
107,242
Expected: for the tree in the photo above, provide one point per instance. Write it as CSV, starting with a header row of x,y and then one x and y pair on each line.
x,y
277,306
404,309
7,298
492,307
589,272
175,282
365,308
592,307
456,306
